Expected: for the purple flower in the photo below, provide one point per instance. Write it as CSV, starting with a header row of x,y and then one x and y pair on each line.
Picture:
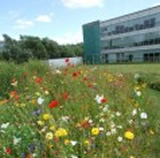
x,y
32,147
23,155
37,112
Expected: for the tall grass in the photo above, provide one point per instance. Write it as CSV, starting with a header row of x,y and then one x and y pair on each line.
x,y
77,112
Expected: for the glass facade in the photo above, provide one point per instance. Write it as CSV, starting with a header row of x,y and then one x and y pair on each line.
x,y
151,38
132,25
91,37
130,38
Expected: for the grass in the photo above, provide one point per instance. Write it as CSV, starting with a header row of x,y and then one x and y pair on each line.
x,y
155,104
79,112
150,73
133,68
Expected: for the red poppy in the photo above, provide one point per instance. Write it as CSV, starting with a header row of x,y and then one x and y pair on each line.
x,y
85,79
104,100
85,124
90,85
75,74
17,97
65,96
25,74
65,71
13,93
56,139
67,60
39,80
8,150
53,104
44,89
29,156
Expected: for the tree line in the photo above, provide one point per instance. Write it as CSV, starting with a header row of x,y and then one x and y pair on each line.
x,y
30,47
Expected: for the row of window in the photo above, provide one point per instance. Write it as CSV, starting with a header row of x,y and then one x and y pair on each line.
x,y
148,57
136,44
124,29
152,57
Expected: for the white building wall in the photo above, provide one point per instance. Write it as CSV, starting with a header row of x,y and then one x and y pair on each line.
x,y
62,63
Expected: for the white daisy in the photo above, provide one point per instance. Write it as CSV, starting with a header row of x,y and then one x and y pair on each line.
x,y
40,100
119,139
143,115
4,125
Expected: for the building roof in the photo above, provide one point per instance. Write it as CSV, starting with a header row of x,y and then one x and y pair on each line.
x,y
133,15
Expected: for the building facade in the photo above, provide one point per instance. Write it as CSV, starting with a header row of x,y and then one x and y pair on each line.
x,y
130,38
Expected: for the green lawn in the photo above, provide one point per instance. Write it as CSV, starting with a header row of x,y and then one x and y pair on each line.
x,y
155,108
133,68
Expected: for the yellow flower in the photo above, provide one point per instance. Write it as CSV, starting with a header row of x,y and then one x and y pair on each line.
x,y
61,132
151,132
110,77
41,123
66,141
38,94
46,92
95,131
33,101
46,117
22,105
52,128
3,102
136,105
17,104
132,157
87,142
77,125
137,88
129,135
49,136
49,146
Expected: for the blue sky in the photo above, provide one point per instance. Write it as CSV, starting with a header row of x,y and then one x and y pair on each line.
x,y
61,20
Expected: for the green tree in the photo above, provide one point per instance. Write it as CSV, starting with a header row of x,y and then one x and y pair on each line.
x,y
35,46
13,51
52,48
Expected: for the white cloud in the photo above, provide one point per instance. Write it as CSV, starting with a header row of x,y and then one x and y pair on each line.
x,y
1,38
43,18
82,3
70,38
23,24
155,4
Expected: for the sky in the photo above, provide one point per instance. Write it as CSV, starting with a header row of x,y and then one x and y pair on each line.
x,y
61,20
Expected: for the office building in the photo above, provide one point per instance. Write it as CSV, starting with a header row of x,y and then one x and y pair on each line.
x,y
130,38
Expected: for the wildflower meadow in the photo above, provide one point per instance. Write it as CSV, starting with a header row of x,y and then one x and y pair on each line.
x,y
75,112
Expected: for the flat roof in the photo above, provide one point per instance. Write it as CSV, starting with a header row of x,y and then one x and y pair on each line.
x,y
91,23
134,13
